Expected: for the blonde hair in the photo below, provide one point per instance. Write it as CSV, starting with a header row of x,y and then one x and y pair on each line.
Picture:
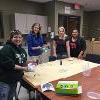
x,y
61,28
63,31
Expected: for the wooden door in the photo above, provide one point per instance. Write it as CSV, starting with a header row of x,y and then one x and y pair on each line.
x,y
73,23
69,22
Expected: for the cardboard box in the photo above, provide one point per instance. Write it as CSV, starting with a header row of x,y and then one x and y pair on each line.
x,y
68,87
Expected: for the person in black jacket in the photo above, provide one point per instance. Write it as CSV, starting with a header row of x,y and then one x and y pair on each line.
x,y
12,62
77,45
5,64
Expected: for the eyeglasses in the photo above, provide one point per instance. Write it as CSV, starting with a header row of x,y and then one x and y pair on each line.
x,y
36,27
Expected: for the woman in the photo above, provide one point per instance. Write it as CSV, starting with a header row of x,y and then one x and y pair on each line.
x,y
35,43
60,44
77,45
12,62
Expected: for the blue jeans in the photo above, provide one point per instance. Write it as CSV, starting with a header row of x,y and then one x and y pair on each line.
x,y
4,91
12,91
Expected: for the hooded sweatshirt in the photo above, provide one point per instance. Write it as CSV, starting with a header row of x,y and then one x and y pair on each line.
x,y
10,55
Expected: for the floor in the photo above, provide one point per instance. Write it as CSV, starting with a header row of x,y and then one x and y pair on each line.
x,y
23,94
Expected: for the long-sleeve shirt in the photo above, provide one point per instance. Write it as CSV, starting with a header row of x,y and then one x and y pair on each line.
x,y
34,41
11,55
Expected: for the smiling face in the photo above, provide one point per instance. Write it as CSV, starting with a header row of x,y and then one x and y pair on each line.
x,y
36,28
75,33
17,39
61,31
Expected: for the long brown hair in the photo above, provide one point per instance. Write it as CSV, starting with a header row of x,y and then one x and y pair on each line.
x,y
37,24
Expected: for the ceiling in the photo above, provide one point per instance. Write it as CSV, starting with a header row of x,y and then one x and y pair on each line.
x,y
89,5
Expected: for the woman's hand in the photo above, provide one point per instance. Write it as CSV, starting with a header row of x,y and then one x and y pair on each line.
x,y
55,55
25,69
17,67
80,56
39,47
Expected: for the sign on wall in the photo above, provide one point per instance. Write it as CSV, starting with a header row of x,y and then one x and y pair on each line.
x,y
67,10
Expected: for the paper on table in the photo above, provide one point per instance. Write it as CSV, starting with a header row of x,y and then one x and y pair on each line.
x,y
67,69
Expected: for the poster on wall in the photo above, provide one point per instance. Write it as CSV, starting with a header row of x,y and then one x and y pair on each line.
x,y
49,28
67,10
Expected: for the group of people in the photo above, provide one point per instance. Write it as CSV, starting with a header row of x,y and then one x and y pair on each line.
x,y
13,58
63,45
68,46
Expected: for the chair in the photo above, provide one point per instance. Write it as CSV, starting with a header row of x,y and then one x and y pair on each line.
x,y
22,83
93,58
37,96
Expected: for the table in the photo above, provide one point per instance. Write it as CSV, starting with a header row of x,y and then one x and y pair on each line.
x,y
69,70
